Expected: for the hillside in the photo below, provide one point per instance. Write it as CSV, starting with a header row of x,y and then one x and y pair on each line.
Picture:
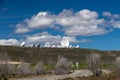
x,y
32,55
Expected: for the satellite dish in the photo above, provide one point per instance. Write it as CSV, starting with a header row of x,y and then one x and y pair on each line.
x,y
47,44
65,43
53,46
38,45
77,46
22,44
58,46
70,46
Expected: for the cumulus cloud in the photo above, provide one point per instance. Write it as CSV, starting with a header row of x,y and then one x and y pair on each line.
x,y
45,38
70,39
40,21
115,24
85,40
42,38
112,20
21,29
111,16
81,23
73,24
9,42
108,14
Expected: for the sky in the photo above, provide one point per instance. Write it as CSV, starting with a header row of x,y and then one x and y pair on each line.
x,y
91,24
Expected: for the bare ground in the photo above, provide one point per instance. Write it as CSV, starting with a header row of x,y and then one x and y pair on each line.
x,y
76,73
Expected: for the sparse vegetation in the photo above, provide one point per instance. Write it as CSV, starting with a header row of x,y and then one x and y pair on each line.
x,y
117,64
62,66
93,61
23,69
33,55
49,63
5,68
39,68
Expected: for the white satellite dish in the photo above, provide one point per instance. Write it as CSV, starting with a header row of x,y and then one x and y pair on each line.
x,y
70,46
47,44
77,46
58,46
53,46
22,44
65,43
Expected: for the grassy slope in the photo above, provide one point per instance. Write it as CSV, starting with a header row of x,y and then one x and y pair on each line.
x,y
45,54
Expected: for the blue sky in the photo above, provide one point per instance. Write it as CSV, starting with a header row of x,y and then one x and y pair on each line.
x,y
88,23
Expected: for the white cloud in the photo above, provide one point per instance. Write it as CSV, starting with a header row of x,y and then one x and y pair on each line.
x,y
84,41
9,42
42,38
21,29
107,14
113,20
81,23
41,20
85,30
86,14
111,16
70,39
116,24
45,37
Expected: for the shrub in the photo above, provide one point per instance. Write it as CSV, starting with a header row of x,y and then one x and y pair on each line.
x,y
62,66
39,68
3,63
117,64
5,68
93,61
23,69
10,68
50,66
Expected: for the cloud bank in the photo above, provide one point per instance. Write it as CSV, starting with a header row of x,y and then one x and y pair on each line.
x,y
73,24
8,42
81,23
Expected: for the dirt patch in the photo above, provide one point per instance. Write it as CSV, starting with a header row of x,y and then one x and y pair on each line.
x,y
11,62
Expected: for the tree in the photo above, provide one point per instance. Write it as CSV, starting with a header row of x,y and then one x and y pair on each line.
x,y
93,61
